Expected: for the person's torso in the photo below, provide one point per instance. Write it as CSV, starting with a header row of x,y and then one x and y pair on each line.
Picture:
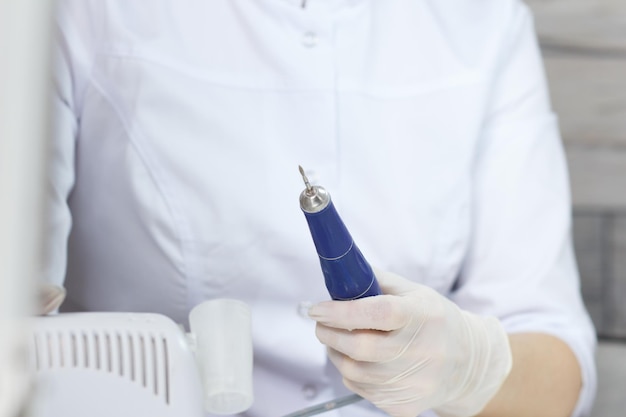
x,y
193,122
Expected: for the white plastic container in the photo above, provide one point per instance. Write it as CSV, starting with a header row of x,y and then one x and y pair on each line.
x,y
222,329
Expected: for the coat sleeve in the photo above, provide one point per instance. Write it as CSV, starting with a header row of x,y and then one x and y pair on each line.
x,y
520,265
73,51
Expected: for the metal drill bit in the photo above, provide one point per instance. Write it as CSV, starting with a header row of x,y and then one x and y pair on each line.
x,y
309,189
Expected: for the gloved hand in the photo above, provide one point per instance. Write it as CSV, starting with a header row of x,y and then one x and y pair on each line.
x,y
412,350
49,298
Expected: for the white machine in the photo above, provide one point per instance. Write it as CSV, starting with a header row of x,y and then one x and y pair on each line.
x,y
105,364
136,364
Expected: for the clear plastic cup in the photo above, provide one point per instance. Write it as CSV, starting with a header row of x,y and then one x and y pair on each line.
x,y
222,328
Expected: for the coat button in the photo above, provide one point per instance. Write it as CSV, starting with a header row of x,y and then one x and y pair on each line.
x,y
309,391
309,39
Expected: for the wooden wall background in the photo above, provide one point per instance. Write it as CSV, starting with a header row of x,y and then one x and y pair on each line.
x,y
584,47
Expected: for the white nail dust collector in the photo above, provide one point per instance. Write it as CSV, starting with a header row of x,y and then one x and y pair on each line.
x,y
128,364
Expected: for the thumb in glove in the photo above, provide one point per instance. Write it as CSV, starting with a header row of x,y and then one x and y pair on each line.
x,y
50,298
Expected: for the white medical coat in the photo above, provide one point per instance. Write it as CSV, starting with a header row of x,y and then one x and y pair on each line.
x,y
181,124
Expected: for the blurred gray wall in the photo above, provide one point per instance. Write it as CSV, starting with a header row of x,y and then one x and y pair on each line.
x,y
584,47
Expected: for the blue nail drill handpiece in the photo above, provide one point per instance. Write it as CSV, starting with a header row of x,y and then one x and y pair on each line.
x,y
347,274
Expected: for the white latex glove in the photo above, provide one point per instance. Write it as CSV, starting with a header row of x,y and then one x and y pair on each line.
x,y
50,297
413,349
